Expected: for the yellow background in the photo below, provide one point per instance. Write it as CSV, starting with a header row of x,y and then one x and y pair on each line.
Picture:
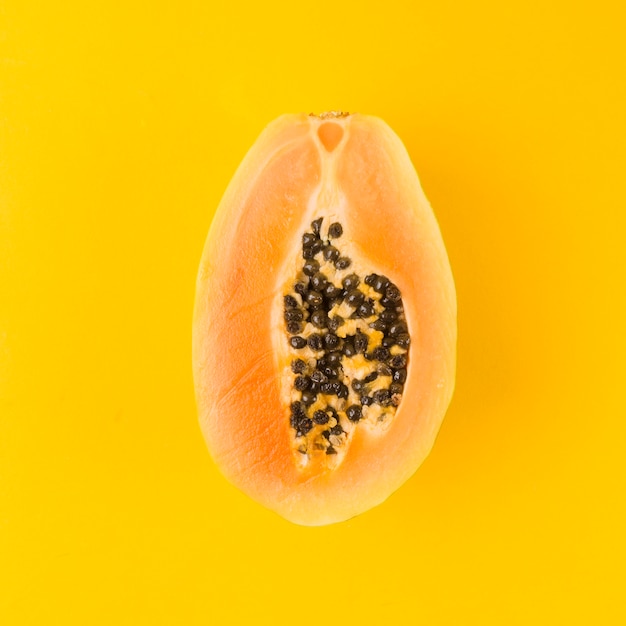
x,y
120,127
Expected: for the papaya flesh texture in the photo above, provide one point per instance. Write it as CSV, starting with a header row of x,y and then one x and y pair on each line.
x,y
324,334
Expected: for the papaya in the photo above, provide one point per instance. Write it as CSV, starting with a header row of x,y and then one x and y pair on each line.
x,y
324,329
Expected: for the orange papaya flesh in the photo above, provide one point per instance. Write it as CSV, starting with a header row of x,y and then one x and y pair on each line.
x,y
324,334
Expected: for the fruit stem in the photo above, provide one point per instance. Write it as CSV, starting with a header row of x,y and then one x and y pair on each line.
x,y
330,115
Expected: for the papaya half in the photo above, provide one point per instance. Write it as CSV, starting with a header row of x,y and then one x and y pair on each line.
x,y
324,332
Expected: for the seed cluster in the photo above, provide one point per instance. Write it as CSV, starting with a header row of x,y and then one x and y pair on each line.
x,y
349,342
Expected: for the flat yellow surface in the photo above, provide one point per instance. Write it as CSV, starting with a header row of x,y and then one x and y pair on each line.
x,y
120,127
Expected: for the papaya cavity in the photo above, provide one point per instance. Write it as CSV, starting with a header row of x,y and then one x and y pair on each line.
x,y
348,346
330,135
324,335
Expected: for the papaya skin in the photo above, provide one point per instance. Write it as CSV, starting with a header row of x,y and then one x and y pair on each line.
x,y
237,366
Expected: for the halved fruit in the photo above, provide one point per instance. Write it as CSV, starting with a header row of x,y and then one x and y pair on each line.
x,y
324,335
